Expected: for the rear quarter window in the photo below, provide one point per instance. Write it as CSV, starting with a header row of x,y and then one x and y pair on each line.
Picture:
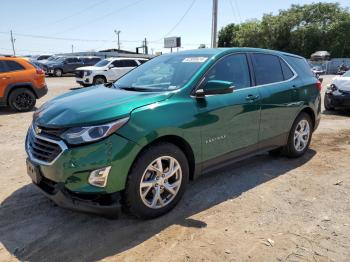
x,y
300,65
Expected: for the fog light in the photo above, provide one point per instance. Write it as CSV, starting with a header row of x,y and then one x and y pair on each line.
x,y
99,177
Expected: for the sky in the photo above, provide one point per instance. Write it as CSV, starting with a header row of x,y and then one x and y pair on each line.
x,y
51,26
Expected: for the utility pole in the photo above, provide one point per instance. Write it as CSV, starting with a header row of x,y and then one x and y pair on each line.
x,y
13,44
145,47
72,48
214,24
117,32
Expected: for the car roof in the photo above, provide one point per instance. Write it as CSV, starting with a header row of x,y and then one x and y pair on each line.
x,y
124,58
224,50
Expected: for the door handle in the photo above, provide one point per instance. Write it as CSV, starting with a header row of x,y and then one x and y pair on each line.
x,y
252,97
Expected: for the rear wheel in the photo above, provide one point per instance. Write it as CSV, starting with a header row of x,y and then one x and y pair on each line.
x,y
99,80
300,136
22,100
156,181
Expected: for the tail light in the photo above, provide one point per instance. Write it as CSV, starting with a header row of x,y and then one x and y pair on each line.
x,y
318,85
39,71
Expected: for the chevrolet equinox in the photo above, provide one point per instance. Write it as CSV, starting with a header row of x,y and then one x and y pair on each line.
x,y
137,142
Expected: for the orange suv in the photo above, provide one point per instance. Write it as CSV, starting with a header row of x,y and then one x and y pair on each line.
x,y
21,83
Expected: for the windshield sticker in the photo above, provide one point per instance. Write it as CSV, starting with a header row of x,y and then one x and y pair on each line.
x,y
198,59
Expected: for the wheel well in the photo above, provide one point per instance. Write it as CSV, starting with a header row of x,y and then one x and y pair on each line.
x,y
311,113
20,86
100,76
183,145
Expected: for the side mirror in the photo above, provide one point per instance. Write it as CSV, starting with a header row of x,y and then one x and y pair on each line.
x,y
215,87
111,66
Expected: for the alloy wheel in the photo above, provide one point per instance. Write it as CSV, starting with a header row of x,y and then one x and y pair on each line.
x,y
24,101
160,182
302,135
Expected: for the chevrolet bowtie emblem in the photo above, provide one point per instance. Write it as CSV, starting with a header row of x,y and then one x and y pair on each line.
x,y
37,130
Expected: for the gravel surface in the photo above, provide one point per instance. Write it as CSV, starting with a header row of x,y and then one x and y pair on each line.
x,y
260,209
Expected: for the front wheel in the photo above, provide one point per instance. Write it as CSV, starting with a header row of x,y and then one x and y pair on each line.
x,y
300,136
58,72
328,103
156,181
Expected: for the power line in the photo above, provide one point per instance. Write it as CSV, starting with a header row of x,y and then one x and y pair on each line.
x,y
99,18
67,39
239,13
178,22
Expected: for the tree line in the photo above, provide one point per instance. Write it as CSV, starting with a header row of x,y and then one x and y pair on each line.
x,y
301,29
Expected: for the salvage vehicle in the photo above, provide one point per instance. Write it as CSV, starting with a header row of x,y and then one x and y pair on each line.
x,y
106,71
140,141
337,95
21,83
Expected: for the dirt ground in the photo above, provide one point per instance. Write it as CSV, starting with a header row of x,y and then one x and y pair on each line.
x,y
260,209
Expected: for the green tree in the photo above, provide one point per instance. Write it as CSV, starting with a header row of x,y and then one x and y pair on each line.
x,y
301,29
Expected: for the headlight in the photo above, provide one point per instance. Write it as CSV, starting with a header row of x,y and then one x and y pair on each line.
x,y
87,73
80,135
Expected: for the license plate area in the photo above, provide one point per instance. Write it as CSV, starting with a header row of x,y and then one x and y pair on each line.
x,y
33,171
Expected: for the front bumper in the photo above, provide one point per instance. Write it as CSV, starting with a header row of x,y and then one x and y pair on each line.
x,y
65,178
339,99
106,205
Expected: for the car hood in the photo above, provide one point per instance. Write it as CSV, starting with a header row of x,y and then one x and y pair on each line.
x,y
92,68
342,83
93,105
52,64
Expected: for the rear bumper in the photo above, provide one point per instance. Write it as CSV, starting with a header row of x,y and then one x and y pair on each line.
x,y
40,92
105,205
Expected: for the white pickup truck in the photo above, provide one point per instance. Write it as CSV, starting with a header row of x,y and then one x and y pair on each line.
x,y
107,70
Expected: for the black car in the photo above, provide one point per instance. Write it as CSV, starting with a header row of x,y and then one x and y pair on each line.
x,y
338,93
65,65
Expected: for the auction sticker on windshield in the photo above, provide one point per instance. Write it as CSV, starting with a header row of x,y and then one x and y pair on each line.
x,y
198,59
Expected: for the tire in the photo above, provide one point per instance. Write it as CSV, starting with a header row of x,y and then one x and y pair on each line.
x,y
327,103
22,100
58,72
292,148
99,80
150,206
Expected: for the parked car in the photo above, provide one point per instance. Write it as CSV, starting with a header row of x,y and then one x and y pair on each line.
x,y
138,142
21,83
40,57
318,70
69,64
338,93
106,71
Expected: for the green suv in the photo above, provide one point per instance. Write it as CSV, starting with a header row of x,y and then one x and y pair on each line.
x,y
138,142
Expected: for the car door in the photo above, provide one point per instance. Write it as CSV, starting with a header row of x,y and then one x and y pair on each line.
x,y
9,74
230,122
72,64
277,84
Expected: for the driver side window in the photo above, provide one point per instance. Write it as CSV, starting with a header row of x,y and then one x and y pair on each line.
x,y
232,68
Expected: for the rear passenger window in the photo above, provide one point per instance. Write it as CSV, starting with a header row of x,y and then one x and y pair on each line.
x,y
233,68
267,69
128,63
2,67
287,73
12,66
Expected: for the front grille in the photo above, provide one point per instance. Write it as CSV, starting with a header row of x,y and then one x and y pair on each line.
x,y
50,132
79,73
41,149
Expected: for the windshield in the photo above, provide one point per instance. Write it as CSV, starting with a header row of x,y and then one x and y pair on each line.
x,y
166,72
102,63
